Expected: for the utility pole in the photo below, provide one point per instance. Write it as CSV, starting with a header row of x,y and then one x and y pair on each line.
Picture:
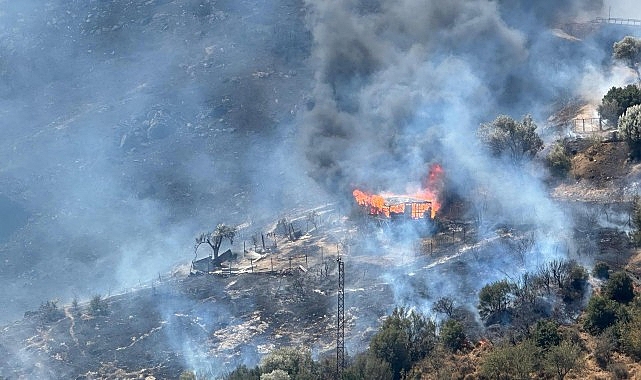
x,y
340,321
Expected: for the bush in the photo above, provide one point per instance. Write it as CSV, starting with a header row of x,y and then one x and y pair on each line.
x,y
403,339
601,270
452,335
49,312
619,371
600,314
561,359
507,137
368,367
617,100
296,362
510,362
546,334
558,160
606,343
630,130
619,288
98,306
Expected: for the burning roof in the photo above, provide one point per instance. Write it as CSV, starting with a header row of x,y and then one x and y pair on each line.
x,y
422,204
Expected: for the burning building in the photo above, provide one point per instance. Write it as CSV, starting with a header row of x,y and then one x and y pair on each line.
x,y
419,205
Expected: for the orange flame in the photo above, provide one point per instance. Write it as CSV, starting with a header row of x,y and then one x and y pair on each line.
x,y
422,202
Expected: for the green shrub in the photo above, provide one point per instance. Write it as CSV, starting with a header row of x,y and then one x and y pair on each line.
x,y
546,334
452,335
601,270
617,100
600,314
558,160
619,288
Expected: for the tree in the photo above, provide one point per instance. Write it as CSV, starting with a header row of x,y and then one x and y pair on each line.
x,y
628,51
403,339
444,305
295,362
558,160
368,367
562,359
510,362
506,137
619,288
452,335
215,238
546,334
635,218
494,298
630,129
617,100
600,314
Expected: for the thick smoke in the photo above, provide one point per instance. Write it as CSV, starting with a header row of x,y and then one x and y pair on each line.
x,y
401,85
130,127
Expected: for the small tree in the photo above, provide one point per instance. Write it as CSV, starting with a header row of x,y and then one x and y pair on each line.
x,y
600,314
617,100
562,359
630,129
444,305
295,362
507,137
628,51
452,335
403,339
619,288
215,238
494,298
546,334
98,306
558,160
510,362
601,270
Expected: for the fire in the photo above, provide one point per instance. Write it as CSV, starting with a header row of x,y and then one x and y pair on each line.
x,y
417,205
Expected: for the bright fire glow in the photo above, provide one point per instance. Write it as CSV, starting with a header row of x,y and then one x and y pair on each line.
x,y
420,203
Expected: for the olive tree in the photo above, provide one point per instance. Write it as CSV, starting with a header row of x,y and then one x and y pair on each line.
x,y
215,239
510,138
630,129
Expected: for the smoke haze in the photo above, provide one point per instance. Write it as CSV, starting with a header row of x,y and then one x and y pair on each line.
x,y
129,127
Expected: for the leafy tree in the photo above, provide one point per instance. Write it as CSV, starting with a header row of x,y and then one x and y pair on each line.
x,y
630,332
630,129
600,314
510,362
215,238
403,339
558,160
617,100
546,334
628,50
619,288
601,270
562,359
606,343
368,367
452,335
494,298
507,137
296,362
635,218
